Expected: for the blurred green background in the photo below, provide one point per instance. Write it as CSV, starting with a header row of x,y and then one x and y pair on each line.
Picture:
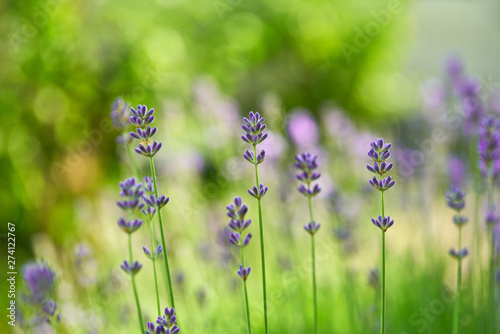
x,y
357,69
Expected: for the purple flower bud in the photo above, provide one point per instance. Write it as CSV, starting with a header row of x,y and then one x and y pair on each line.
x,y
455,198
39,279
383,222
460,254
258,193
247,239
131,269
460,220
312,227
49,307
147,252
129,226
244,272
254,127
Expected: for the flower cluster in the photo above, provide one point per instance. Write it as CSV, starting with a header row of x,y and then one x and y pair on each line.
x,y
131,268
142,118
254,127
258,193
40,281
455,198
237,211
166,324
307,163
379,153
120,114
155,254
489,147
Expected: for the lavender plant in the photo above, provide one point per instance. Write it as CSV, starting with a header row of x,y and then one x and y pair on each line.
x,y
379,153
40,281
150,212
237,212
489,163
131,192
120,114
142,118
166,324
456,201
254,127
307,163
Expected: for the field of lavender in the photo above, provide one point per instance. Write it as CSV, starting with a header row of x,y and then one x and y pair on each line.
x,y
243,167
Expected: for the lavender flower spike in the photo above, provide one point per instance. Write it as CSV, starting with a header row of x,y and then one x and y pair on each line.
x,y
244,272
166,324
455,198
40,280
142,118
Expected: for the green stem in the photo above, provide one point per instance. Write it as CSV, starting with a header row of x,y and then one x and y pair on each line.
x,y
160,222
136,296
313,255
492,292
456,313
246,294
261,245
154,267
382,293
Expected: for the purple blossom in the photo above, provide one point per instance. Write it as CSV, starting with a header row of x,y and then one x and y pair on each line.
x,y
306,164
455,198
131,191
254,127
40,281
244,272
237,211
460,254
166,324
258,193
129,226
131,269
156,253
120,114
383,222
458,171
157,203
492,217
489,147
49,307
312,227
472,105
142,118
379,153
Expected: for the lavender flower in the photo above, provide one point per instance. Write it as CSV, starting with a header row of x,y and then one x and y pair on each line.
x,y
120,117
142,118
49,307
312,227
455,198
254,127
472,105
489,147
492,217
131,269
155,254
258,193
383,222
132,192
129,226
244,272
166,324
40,280
460,254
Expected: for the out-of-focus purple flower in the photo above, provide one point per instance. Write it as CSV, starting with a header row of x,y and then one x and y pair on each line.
x,y
254,127
374,278
383,222
131,191
302,129
492,217
460,254
129,226
454,67
120,115
455,198
49,307
142,118
458,171
460,220
131,269
472,105
274,145
434,95
157,203
244,272
312,227
40,281
379,153
489,147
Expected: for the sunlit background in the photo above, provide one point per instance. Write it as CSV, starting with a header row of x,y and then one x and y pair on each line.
x,y
328,76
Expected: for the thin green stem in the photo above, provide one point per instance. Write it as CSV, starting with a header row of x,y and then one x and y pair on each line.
x,y
136,296
382,293
492,292
264,292
160,222
246,294
456,313
154,267
313,257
